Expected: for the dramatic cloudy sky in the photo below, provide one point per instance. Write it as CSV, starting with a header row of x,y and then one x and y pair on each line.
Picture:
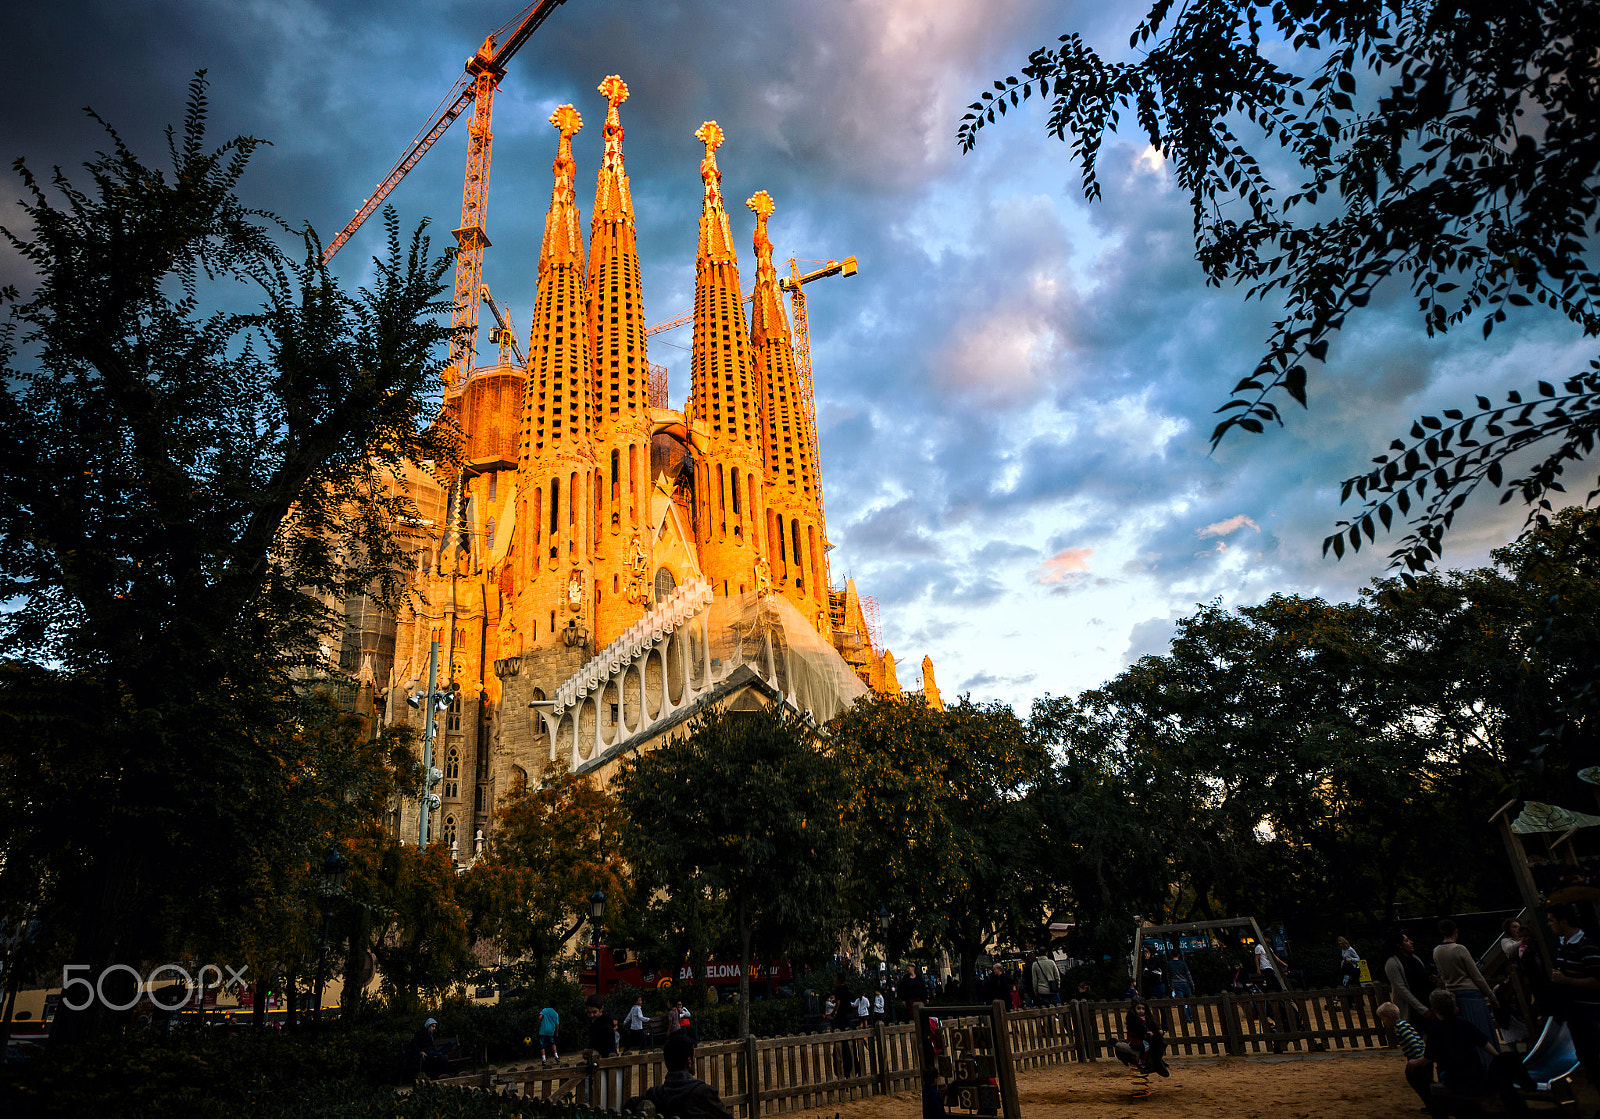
x,y
1015,392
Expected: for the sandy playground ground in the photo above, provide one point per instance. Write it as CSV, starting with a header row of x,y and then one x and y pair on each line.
x,y
1366,1085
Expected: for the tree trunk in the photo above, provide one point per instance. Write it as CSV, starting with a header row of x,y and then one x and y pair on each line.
x,y
355,969
744,973
258,1001
290,1003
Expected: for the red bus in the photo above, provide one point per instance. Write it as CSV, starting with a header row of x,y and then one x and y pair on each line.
x,y
621,967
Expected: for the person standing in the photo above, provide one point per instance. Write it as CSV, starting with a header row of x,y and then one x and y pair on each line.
x,y
1045,978
1574,990
634,1025
913,989
1154,974
1349,964
1459,974
1268,968
997,986
844,1015
602,1042
1409,982
1181,980
880,1006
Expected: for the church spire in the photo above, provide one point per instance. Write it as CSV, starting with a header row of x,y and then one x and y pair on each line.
x,y
557,412
716,242
621,376
794,518
616,308
725,396
563,240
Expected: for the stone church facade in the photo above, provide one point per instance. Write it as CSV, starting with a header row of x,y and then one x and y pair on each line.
x,y
603,565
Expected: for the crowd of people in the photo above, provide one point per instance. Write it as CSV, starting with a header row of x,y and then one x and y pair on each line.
x,y
1451,1022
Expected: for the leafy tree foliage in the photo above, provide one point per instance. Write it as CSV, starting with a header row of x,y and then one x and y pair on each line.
x,y
1324,763
552,846
752,809
945,834
186,492
1449,145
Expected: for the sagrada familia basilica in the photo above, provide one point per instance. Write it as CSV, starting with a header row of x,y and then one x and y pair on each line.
x,y
602,566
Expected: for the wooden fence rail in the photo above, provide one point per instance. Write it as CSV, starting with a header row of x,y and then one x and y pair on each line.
x,y
782,1075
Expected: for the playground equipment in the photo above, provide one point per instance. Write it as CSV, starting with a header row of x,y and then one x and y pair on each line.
x,y
1553,1059
968,1047
1165,932
1141,1075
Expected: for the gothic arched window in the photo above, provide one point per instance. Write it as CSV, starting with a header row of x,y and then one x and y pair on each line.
x,y
452,773
665,583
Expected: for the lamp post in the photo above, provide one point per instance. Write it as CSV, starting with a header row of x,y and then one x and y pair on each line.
x,y
883,927
434,701
597,913
331,880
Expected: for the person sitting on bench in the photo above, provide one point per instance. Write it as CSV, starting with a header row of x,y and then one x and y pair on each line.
x,y
682,1095
424,1054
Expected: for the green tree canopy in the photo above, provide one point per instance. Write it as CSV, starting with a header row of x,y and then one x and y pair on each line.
x,y
946,835
750,806
552,846
1329,146
188,491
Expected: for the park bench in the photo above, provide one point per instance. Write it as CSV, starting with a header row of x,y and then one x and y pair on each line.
x,y
458,1063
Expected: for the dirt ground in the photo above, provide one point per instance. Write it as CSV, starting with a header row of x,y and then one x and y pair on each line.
x,y
1316,1086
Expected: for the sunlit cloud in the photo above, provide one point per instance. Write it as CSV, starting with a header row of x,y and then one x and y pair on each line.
x,y
1066,566
1231,525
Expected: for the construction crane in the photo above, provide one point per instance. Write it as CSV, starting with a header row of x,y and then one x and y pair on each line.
x,y
504,334
794,284
476,87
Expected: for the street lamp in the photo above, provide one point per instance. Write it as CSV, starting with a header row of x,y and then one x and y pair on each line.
x,y
330,882
883,926
597,913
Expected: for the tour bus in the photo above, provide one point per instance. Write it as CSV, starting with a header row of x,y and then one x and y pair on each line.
x,y
620,967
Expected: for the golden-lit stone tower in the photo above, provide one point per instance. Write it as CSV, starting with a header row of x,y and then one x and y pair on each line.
x,y
794,532
585,523
724,397
622,420
557,468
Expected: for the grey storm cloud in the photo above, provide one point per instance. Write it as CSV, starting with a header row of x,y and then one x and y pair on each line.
x,y
1014,374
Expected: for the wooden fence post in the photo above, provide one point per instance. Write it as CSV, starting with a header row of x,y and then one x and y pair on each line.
x,y
1004,1067
1088,1033
880,1038
752,1079
1230,1021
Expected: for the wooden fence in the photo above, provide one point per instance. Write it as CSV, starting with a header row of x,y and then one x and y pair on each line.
x,y
792,1074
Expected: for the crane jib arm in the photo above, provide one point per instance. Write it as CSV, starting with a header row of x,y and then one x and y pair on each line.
x,y
522,27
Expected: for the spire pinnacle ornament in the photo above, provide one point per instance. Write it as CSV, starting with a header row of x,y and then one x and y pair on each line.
x,y
615,91
710,134
567,122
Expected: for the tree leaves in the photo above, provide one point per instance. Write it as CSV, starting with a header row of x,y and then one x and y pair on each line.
x,y
1435,177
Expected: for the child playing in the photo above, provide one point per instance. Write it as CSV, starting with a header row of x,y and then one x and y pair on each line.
x,y
549,1020
1145,1039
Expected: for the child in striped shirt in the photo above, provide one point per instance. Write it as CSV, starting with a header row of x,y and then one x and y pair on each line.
x,y
1419,1070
